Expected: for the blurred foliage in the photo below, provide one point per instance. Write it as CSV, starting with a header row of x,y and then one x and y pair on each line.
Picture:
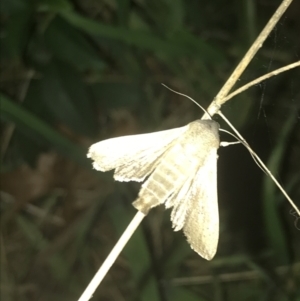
x,y
75,72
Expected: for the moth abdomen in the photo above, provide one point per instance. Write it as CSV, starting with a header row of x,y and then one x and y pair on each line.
x,y
166,179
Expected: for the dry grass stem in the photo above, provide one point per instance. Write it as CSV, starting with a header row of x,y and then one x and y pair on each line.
x,y
268,172
261,78
220,99
111,258
234,277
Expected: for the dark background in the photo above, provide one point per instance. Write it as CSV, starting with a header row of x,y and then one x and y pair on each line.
x,y
76,72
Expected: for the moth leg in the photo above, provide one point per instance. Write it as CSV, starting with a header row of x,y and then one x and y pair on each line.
x,y
226,143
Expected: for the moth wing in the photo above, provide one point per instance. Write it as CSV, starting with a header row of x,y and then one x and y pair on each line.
x,y
181,203
167,180
201,226
134,157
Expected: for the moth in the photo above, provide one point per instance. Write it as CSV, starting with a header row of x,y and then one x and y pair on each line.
x,y
181,166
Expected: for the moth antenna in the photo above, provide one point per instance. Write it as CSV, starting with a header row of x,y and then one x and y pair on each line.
x,y
190,98
269,173
236,137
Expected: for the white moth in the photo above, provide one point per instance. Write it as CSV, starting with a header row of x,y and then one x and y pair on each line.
x,y
182,164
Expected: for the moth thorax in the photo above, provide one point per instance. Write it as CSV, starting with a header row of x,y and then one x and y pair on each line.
x,y
208,130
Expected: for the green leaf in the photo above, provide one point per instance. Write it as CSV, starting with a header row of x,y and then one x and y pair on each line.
x,y
57,263
136,38
45,5
17,30
123,11
117,94
274,224
61,96
142,39
180,294
36,128
69,45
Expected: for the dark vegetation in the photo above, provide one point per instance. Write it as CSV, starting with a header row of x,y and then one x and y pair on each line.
x,y
76,72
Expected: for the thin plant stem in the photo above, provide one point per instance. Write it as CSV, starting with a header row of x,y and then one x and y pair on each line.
x,y
245,87
261,163
235,276
261,78
111,258
10,128
220,99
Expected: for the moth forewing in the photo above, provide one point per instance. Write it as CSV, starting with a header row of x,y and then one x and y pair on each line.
x,y
132,156
201,226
